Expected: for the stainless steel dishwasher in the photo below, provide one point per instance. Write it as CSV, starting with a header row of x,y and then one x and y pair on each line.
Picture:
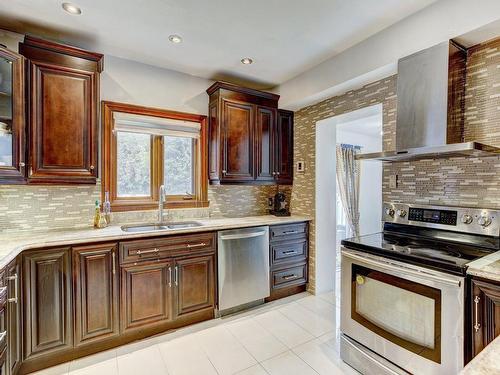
x,y
243,267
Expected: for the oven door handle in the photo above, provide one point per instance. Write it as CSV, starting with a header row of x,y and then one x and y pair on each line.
x,y
391,266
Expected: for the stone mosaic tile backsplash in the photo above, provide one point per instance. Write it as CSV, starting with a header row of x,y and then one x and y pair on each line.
x,y
40,208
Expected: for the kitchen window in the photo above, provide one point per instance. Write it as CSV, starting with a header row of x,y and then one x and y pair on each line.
x,y
144,148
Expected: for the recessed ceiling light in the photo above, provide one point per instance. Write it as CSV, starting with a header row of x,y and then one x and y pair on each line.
x,y
246,61
175,38
71,8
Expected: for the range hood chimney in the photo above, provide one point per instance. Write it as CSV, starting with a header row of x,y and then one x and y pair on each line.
x,y
430,107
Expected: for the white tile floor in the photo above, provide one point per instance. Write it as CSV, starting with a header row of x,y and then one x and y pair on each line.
x,y
294,336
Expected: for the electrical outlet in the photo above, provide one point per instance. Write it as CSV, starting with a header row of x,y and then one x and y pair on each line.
x,y
393,181
301,166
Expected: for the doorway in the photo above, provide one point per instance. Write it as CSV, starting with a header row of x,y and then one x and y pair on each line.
x,y
362,129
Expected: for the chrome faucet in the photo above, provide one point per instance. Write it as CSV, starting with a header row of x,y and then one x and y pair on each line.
x,y
161,198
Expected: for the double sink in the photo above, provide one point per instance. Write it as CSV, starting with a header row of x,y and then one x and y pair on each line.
x,y
163,226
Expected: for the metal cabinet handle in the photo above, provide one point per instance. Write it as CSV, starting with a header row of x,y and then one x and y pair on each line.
x,y
170,277
140,252
189,246
22,164
16,287
224,172
176,275
277,173
289,277
288,252
92,167
290,232
274,173
477,325
114,262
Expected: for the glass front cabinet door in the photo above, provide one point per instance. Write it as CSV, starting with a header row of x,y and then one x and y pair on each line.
x,y
12,118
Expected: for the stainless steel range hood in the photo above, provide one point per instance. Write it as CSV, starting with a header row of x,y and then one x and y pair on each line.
x,y
430,107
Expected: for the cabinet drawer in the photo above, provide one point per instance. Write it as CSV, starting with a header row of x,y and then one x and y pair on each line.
x,y
284,252
288,231
291,276
133,251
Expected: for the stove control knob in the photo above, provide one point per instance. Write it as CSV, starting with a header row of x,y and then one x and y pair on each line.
x,y
389,212
402,213
467,219
484,221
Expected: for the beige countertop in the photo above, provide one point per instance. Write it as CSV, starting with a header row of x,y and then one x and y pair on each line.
x,y
487,267
12,245
485,363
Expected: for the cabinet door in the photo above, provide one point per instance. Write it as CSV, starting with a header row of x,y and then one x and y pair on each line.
x,y
284,148
485,314
63,124
195,284
12,118
264,139
14,316
48,323
95,289
145,295
237,142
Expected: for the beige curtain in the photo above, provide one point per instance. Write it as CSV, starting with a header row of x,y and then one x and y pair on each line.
x,y
348,169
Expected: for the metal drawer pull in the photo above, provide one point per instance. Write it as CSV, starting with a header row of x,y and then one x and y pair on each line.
x,y
288,252
114,262
139,252
289,277
477,325
15,278
176,275
291,232
242,236
169,277
189,246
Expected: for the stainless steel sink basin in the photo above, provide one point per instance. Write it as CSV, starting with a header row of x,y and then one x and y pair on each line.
x,y
163,226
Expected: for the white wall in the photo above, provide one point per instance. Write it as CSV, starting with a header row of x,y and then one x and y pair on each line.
x,y
326,139
135,83
376,57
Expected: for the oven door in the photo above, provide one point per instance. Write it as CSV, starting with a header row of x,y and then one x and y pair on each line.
x,y
410,315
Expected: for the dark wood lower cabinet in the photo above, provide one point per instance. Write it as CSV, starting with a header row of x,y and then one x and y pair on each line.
x,y
14,316
195,287
485,314
95,290
72,302
48,323
146,294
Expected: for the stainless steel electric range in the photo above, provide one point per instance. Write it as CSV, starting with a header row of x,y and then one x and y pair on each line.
x,y
403,289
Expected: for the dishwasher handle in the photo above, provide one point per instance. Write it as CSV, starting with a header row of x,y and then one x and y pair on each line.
x,y
241,236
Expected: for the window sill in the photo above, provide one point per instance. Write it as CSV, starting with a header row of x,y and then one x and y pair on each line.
x,y
135,206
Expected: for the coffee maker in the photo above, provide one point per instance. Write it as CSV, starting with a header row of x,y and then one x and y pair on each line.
x,y
280,205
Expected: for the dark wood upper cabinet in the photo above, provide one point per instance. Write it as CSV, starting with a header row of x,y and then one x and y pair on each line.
x,y
237,138
95,291
12,118
249,142
48,322
284,148
264,143
63,95
485,312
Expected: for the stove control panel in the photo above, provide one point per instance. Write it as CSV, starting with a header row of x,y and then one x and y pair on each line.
x,y
459,219
425,215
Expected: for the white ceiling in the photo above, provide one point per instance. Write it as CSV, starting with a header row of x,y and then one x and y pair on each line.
x,y
284,37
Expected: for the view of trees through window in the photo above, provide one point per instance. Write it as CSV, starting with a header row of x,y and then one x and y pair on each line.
x,y
133,164
178,165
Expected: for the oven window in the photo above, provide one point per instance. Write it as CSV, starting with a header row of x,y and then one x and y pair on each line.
x,y
402,311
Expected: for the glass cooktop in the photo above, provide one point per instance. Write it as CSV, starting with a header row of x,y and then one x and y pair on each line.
x,y
449,252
